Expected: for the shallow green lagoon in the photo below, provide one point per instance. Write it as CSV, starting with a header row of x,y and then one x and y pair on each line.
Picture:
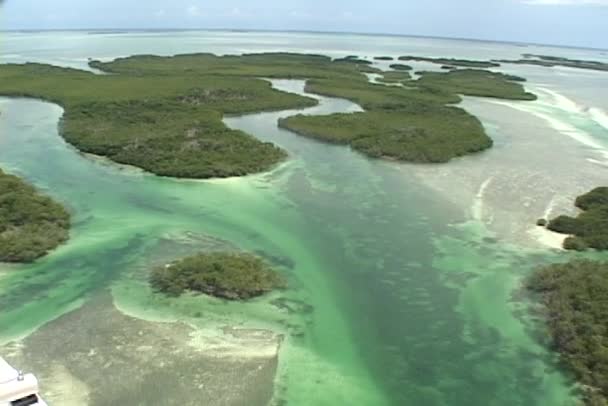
x,y
398,296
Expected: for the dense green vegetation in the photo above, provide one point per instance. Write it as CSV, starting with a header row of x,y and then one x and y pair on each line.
x,y
379,97
416,137
575,295
410,123
400,66
31,224
474,82
164,114
551,61
590,228
394,76
226,275
353,60
167,124
452,62
268,65
598,197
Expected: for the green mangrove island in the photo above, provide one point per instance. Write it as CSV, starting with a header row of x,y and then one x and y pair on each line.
x,y
415,123
552,61
574,295
393,76
353,59
452,62
400,66
590,228
31,224
232,276
164,114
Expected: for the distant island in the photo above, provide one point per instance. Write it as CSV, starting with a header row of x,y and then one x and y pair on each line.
x,y
232,276
400,66
574,295
467,63
354,59
551,61
590,228
31,224
164,114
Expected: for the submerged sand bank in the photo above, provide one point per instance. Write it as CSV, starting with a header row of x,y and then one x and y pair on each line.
x,y
97,356
533,171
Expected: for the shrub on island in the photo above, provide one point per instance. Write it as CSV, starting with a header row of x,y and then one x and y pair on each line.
x,y
563,225
575,244
597,197
31,224
590,228
574,295
232,276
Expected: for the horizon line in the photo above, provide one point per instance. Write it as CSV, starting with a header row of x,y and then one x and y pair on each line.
x,y
377,34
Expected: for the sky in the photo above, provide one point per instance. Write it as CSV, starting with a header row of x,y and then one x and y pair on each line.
x,y
561,22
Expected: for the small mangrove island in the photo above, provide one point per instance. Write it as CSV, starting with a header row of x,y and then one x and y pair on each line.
x,y
31,224
400,66
353,59
232,276
574,296
590,228
452,62
552,61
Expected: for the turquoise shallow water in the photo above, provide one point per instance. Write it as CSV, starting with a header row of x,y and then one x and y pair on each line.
x,y
400,296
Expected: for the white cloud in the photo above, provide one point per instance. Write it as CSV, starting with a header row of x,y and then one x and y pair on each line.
x,y
194,11
568,2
